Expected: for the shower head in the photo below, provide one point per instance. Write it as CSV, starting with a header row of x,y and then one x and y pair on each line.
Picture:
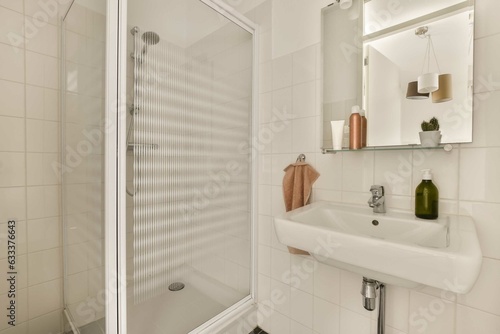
x,y
150,38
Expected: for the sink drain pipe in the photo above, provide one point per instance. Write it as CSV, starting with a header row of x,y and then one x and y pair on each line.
x,y
369,291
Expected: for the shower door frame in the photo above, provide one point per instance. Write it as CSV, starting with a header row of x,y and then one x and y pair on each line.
x,y
115,168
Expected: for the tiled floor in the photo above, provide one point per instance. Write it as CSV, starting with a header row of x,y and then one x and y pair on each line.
x,y
96,327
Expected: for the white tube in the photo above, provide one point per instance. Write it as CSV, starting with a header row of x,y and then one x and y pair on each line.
x,y
337,134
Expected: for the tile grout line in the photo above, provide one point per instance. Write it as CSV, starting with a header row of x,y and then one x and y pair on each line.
x,y
26,163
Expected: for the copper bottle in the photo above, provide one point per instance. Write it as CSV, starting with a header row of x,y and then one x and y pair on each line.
x,y
355,129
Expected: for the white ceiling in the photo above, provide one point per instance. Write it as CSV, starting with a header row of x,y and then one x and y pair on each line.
x,y
380,14
181,22
450,36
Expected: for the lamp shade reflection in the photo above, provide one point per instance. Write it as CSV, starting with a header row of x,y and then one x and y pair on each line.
x,y
428,83
445,91
413,94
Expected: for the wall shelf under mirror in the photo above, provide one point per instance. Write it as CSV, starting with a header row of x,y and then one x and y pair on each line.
x,y
444,147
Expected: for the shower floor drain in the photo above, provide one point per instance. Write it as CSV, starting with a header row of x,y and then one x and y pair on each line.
x,y
176,286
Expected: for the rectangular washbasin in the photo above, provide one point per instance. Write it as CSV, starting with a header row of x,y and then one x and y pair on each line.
x,y
397,227
393,247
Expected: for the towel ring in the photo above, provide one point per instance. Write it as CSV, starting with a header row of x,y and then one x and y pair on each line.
x,y
301,158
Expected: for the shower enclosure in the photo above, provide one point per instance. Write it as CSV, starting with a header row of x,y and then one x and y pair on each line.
x,y
159,215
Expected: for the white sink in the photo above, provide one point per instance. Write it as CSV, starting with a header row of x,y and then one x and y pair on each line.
x,y
393,248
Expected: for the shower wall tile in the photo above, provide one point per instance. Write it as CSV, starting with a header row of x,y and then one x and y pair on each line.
x,y
29,145
11,134
48,323
22,277
44,298
14,203
13,4
42,202
43,234
12,97
34,174
34,135
11,30
50,137
42,70
12,65
77,287
42,103
13,169
39,12
44,266
21,312
44,41
34,102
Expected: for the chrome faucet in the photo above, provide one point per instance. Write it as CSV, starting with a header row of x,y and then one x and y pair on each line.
x,y
377,201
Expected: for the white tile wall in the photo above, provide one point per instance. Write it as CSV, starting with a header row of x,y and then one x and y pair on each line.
x,y
29,143
467,178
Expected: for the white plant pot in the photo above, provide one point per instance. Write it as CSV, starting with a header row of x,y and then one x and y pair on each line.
x,y
430,138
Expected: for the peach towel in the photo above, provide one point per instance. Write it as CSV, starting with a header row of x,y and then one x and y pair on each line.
x,y
297,185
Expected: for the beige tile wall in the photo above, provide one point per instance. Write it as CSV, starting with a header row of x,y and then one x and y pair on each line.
x,y
29,144
327,300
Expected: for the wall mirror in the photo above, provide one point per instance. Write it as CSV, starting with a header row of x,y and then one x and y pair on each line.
x,y
374,53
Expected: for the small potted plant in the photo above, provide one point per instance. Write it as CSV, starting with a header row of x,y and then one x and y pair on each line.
x,y
430,135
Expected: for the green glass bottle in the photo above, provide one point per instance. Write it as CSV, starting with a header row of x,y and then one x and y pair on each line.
x,y
427,197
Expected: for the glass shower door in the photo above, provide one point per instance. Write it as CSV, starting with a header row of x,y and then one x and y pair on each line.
x,y
189,172
82,166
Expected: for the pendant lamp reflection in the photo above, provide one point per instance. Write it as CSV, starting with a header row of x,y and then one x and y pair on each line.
x,y
413,94
445,91
428,82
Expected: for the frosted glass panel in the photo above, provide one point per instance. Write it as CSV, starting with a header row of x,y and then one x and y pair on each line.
x,y
83,51
190,95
